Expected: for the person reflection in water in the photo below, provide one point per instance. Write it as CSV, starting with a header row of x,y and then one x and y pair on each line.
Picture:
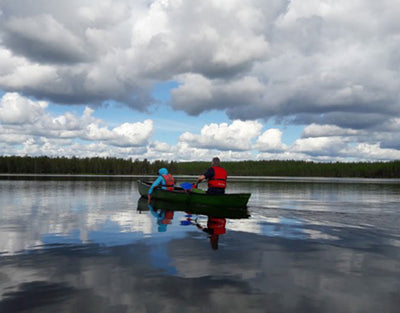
x,y
163,218
215,227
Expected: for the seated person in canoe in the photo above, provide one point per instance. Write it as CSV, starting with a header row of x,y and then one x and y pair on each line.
x,y
216,177
165,181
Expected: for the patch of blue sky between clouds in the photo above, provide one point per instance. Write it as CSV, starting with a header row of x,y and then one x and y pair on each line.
x,y
289,133
59,109
169,124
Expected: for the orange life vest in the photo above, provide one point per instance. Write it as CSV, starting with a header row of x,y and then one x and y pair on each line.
x,y
169,181
219,179
168,217
217,225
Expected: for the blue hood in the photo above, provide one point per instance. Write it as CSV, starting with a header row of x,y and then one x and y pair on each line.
x,y
163,171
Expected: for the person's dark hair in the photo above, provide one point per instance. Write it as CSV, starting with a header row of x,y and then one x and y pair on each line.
x,y
215,161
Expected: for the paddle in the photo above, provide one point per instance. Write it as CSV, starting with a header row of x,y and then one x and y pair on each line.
x,y
187,186
192,187
189,221
186,223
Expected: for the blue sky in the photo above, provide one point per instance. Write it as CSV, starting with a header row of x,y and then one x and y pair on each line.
x,y
305,80
169,124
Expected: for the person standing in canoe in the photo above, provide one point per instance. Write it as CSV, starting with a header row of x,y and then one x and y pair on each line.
x,y
216,177
165,181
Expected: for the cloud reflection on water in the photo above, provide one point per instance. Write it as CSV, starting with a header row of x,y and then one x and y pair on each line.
x,y
88,246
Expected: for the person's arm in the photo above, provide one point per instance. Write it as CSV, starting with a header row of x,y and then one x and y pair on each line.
x,y
198,225
201,178
154,213
155,184
204,229
207,175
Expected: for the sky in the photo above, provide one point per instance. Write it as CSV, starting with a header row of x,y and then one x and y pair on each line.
x,y
190,80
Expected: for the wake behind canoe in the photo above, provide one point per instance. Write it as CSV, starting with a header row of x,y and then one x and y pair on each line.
x,y
232,200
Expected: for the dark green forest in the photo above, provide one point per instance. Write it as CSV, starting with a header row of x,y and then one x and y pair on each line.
x,y
115,166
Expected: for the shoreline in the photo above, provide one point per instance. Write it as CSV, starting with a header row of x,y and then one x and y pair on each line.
x,y
231,178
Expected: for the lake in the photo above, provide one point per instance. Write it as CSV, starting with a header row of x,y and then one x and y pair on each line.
x,y
89,244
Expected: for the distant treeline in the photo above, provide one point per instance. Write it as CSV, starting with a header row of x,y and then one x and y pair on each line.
x,y
97,165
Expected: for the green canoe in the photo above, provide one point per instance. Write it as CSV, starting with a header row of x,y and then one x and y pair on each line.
x,y
192,198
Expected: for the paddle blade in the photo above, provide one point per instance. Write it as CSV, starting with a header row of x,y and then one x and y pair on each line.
x,y
186,186
185,223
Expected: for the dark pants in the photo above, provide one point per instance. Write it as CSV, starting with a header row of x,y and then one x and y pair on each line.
x,y
215,191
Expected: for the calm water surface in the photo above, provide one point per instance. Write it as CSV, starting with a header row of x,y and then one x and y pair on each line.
x,y
303,245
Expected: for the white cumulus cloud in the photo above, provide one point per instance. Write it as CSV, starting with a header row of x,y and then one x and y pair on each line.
x,y
26,122
271,140
15,109
236,136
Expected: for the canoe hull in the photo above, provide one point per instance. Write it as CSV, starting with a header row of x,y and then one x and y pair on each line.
x,y
232,200
178,195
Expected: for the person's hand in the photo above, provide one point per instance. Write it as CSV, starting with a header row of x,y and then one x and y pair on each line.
x,y
148,198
